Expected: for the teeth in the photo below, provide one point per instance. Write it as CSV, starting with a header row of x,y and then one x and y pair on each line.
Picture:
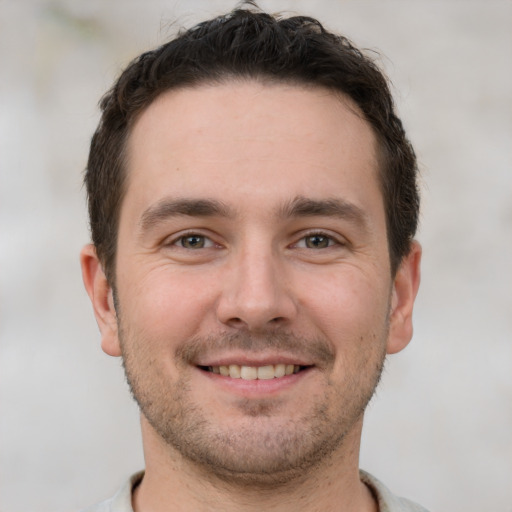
x,y
234,371
248,373
266,372
252,372
279,370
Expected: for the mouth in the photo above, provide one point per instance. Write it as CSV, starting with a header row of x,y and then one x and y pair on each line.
x,y
267,372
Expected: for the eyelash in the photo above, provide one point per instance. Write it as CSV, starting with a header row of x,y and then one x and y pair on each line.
x,y
331,240
192,234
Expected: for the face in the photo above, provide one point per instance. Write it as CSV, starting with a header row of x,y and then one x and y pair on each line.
x,y
254,296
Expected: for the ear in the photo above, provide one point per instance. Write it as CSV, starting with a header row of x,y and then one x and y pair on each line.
x,y
100,293
405,288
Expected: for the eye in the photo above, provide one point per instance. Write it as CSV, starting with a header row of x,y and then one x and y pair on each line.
x,y
194,241
316,241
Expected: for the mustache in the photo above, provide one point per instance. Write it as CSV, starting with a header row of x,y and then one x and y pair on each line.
x,y
317,350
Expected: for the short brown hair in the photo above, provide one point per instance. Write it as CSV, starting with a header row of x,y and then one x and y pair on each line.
x,y
248,43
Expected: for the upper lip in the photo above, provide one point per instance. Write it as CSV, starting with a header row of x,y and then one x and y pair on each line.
x,y
252,359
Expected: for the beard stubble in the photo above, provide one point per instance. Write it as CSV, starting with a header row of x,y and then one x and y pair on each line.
x,y
264,448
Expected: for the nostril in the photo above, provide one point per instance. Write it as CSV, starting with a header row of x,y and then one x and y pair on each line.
x,y
239,323
236,322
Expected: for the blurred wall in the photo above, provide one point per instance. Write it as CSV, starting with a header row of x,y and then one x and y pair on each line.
x,y
439,429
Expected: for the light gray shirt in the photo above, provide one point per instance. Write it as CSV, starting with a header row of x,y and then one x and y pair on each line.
x,y
388,502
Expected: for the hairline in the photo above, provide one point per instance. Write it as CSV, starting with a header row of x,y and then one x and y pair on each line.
x,y
227,77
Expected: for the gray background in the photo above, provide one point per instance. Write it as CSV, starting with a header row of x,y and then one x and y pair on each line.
x,y
439,430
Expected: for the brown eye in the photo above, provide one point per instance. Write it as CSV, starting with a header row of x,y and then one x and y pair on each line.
x,y
317,241
192,242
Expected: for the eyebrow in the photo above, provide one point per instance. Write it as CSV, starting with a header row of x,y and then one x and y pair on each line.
x,y
306,207
298,207
168,208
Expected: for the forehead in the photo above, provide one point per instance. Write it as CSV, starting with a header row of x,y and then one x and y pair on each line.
x,y
250,138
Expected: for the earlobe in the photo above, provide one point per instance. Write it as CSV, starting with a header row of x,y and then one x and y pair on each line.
x,y
100,293
405,288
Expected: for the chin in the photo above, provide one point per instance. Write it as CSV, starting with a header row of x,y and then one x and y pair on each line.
x,y
257,449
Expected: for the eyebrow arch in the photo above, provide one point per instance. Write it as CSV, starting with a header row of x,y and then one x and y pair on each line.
x,y
306,207
168,208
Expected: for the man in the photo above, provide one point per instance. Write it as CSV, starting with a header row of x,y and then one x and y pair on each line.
x,y
253,203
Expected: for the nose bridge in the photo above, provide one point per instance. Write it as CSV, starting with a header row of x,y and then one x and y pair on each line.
x,y
255,292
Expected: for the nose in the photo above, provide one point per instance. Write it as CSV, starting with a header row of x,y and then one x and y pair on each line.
x,y
255,293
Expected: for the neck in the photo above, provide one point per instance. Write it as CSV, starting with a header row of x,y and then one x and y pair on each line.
x,y
174,483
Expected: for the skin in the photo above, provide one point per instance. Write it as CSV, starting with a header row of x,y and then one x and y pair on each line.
x,y
252,232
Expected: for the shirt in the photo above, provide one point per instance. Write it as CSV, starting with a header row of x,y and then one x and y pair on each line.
x,y
388,502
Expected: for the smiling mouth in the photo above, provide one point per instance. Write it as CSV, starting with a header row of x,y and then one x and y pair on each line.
x,y
267,372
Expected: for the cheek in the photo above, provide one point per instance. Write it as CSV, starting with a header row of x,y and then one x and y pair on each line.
x,y
166,305
348,306
346,296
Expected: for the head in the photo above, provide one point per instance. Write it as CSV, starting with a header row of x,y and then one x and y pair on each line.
x,y
253,201
247,44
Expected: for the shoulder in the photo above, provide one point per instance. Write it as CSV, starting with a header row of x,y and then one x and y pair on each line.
x,y
122,501
387,501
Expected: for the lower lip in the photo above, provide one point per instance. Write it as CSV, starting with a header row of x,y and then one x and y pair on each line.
x,y
257,387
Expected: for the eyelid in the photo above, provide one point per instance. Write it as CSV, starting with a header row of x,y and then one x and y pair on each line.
x,y
173,240
336,238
